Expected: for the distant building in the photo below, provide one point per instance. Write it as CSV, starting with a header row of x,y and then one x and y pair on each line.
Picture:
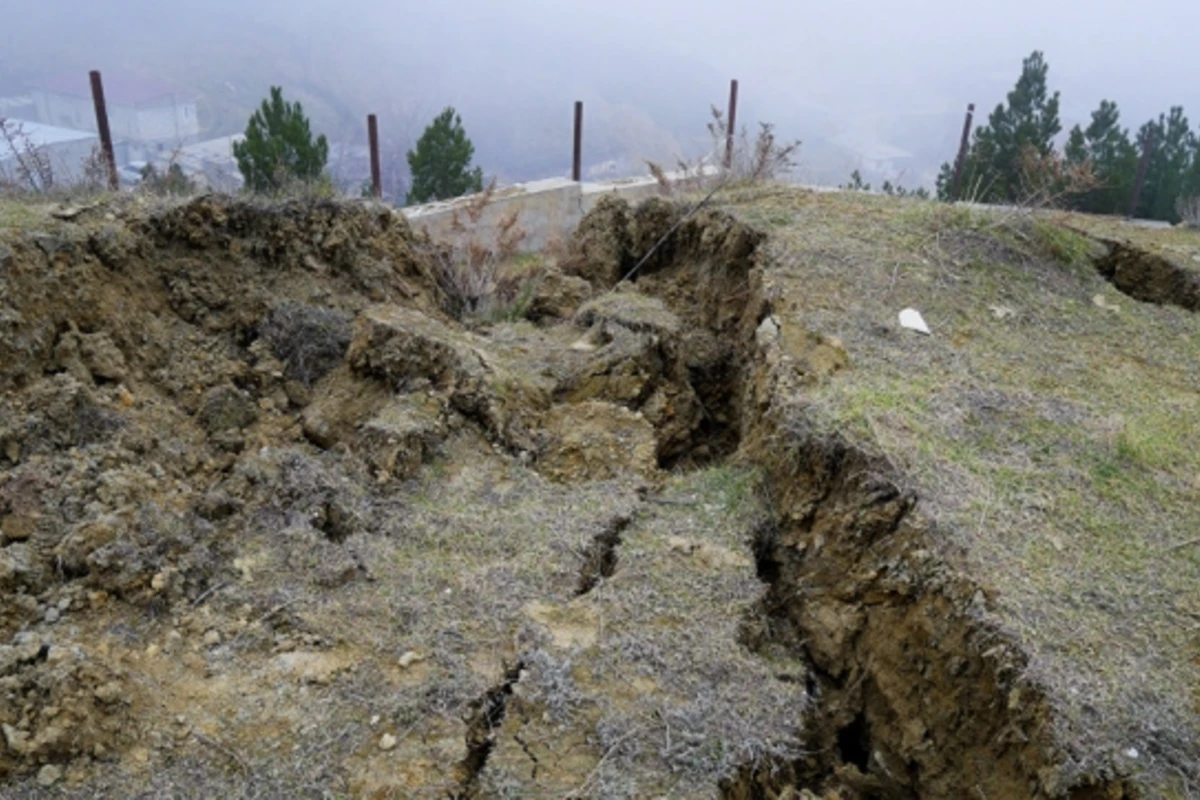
x,y
64,149
19,107
875,157
211,163
149,114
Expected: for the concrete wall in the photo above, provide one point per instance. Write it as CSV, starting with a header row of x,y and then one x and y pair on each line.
x,y
546,210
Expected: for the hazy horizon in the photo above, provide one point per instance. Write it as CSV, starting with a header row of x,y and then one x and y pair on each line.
x,y
850,79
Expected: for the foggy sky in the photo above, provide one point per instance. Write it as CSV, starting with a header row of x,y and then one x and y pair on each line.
x,y
846,77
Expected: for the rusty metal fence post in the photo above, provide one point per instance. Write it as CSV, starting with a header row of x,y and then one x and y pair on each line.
x,y
731,119
577,156
1143,165
106,143
373,142
961,161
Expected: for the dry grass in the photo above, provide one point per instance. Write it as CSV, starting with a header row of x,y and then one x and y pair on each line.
x,y
478,266
1052,438
1189,211
309,340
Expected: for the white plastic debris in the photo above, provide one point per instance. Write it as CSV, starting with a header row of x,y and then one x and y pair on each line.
x,y
911,318
1132,752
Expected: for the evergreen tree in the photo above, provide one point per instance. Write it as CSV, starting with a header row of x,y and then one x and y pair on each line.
x,y
1113,159
441,163
1171,155
1024,126
279,146
945,181
1191,181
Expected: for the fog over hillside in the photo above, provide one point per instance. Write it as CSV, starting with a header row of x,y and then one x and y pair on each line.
x,y
864,83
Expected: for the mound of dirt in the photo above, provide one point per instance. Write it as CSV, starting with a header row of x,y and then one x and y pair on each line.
x,y
222,428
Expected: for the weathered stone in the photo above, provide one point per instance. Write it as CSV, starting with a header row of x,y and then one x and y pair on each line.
x,y
102,356
225,408
403,435
596,441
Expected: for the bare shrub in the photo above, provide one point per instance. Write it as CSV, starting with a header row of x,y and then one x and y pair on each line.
x,y
31,170
167,180
759,161
94,174
660,175
1048,180
476,268
310,341
1188,209
764,159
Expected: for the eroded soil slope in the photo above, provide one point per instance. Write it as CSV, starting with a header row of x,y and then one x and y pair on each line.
x,y
273,524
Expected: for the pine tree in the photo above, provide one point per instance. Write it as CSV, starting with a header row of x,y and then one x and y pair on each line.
x,y
945,183
1172,149
1191,181
1113,159
1025,126
441,162
279,147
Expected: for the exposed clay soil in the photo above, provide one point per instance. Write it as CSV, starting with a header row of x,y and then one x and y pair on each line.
x,y
273,524
1150,277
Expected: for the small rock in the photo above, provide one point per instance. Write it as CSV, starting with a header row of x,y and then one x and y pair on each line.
x,y
19,527
102,356
109,692
212,638
410,658
15,739
374,720
682,545
52,615
49,775
226,408
1002,312
387,742
768,331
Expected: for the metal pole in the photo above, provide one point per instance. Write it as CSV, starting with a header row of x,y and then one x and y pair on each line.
x,y
1143,165
106,143
732,120
373,141
961,161
577,159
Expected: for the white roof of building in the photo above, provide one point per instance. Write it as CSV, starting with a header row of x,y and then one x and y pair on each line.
x,y
870,147
41,135
9,103
212,149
